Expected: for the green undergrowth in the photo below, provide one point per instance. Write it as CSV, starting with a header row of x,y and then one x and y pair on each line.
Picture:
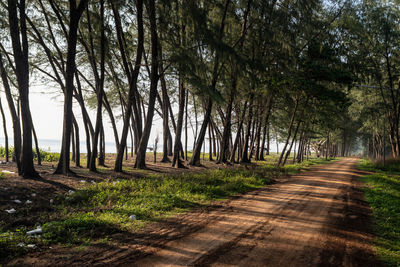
x,y
382,191
293,168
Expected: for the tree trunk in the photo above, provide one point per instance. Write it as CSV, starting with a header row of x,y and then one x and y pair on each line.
x,y
13,113
19,42
245,155
240,126
132,78
75,15
140,162
289,131
5,132
77,143
99,92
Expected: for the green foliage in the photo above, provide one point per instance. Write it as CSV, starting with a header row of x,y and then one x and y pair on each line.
x,y
46,156
382,192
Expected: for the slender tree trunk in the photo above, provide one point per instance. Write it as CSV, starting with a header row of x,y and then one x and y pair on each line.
x,y
5,131
245,155
77,143
291,144
140,162
237,139
132,78
289,131
75,15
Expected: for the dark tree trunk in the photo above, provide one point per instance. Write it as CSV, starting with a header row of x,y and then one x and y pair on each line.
x,y
210,157
99,91
73,143
164,106
289,131
37,149
77,143
102,150
14,116
291,144
195,160
75,15
245,155
132,77
5,132
140,162
19,41
186,125
266,130
176,161
240,127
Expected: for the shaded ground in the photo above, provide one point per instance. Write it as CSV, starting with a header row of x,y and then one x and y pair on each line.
x,y
39,192
314,218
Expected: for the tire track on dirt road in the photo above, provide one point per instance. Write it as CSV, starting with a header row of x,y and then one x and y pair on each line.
x,y
310,219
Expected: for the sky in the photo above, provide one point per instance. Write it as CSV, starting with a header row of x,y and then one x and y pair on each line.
x,y
46,104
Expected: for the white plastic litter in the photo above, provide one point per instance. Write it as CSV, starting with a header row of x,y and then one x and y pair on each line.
x,y
21,244
132,217
33,194
51,201
71,192
6,171
31,246
17,201
36,231
11,211
28,202
83,181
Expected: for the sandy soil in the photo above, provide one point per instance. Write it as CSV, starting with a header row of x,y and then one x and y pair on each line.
x,y
316,218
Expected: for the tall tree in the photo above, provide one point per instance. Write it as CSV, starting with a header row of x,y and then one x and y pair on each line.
x,y
19,38
75,13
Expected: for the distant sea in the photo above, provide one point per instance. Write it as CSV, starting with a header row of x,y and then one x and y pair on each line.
x,y
55,145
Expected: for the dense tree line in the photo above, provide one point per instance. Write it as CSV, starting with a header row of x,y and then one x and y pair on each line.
x,y
238,73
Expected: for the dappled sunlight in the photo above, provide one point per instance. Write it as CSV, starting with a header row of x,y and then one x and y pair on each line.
x,y
286,223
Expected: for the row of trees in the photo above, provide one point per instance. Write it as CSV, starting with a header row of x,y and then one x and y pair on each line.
x,y
253,70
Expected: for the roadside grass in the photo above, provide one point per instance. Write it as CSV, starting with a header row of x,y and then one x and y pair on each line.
x,y
382,192
93,213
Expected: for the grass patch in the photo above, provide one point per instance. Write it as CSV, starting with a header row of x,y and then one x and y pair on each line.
x,y
98,210
382,192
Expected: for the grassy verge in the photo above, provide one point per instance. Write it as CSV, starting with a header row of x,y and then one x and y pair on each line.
x,y
382,192
95,211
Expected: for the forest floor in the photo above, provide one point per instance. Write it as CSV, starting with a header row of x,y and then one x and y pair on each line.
x,y
317,217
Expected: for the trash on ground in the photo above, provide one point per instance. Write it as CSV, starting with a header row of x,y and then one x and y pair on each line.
x,y
11,211
82,181
17,201
21,244
6,171
132,217
36,231
31,246
28,202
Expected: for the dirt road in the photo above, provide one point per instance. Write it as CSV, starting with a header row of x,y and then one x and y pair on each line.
x,y
315,218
